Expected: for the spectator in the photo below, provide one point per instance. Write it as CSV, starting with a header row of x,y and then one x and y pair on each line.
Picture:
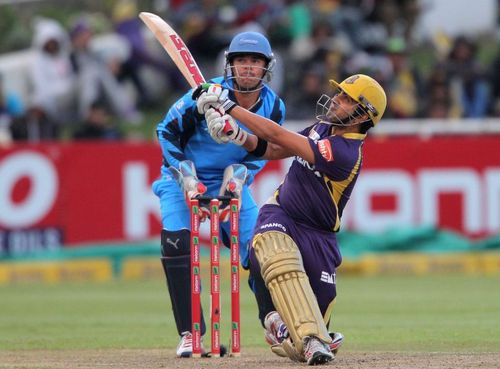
x,y
130,27
94,78
53,82
495,81
11,114
97,125
310,88
403,86
438,102
467,78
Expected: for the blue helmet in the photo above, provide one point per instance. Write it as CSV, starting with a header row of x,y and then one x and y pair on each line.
x,y
250,43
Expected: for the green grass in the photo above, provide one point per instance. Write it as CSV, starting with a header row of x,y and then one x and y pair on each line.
x,y
449,313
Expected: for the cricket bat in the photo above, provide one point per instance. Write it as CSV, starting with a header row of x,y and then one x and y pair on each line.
x,y
177,50
175,47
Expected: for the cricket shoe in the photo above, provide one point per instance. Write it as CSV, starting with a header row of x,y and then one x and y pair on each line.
x,y
316,351
337,341
185,347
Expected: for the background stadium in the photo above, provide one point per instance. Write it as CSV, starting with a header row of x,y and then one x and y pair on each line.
x,y
81,284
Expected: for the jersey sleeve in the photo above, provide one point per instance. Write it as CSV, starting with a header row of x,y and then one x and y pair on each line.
x,y
175,129
280,117
330,154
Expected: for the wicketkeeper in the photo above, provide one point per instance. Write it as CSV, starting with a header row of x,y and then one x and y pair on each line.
x,y
294,252
183,135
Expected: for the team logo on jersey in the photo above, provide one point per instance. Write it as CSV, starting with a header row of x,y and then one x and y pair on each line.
x,y
313,135
325,149
352,79
328,278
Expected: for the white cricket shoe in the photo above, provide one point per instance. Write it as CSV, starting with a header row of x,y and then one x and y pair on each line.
x,y
316,351
185,346
337,341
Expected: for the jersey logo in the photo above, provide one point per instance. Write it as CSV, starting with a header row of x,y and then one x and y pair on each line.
x,y
328,278
313,135
352,79
325,149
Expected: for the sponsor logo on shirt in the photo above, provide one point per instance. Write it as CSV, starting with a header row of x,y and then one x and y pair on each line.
x,y
179,105
308,166
273,225
325,149
313,135
328,278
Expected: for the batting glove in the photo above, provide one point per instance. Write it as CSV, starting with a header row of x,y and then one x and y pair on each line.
x,y
223,128
208,95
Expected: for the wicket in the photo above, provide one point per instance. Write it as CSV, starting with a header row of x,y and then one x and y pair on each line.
x,y
215,203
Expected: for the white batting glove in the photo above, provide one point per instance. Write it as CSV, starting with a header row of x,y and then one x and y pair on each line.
x,y
209,95
220,125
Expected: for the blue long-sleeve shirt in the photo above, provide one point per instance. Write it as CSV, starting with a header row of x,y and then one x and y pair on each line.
x,y
183,135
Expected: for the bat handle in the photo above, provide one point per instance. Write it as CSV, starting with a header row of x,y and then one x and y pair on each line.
x,y
228,130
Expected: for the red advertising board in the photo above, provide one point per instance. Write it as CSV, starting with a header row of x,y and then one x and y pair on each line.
x,y
96,192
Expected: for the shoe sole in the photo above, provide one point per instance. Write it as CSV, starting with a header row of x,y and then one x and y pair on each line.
x,y
319,358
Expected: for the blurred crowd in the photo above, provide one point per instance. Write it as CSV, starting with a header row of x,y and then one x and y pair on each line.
x,y
96,82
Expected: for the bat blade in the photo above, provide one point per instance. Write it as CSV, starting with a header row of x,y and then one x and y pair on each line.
x,y
175,47
177,50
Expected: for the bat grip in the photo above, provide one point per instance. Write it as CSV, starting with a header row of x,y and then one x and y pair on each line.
x,y
228,130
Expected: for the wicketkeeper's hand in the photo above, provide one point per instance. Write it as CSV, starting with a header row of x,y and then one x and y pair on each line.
x,y
211,95
223,128
190,184
232,185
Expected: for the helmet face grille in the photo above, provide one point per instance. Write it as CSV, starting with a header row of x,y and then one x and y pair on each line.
x,y
264,77
325,112
249,43
232,79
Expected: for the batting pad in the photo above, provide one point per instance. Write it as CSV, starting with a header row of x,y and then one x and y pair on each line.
x,y
283,271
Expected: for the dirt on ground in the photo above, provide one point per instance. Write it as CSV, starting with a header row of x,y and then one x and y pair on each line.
x,y
251,359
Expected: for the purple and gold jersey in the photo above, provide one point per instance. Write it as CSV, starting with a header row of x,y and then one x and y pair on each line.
x,y
317,194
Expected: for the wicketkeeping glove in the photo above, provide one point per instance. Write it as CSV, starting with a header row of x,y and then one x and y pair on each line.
x,y
232,185
190,184
223,128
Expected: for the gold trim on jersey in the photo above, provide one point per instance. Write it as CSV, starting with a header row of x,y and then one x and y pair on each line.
x,y
336,189
355,136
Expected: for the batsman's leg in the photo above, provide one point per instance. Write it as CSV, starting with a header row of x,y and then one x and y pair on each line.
x,y
175,250
283,272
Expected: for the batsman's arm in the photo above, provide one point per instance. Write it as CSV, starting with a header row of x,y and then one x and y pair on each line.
x,y
282,143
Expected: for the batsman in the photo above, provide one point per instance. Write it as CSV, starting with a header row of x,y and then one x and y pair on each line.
x,y
294,251
188,148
